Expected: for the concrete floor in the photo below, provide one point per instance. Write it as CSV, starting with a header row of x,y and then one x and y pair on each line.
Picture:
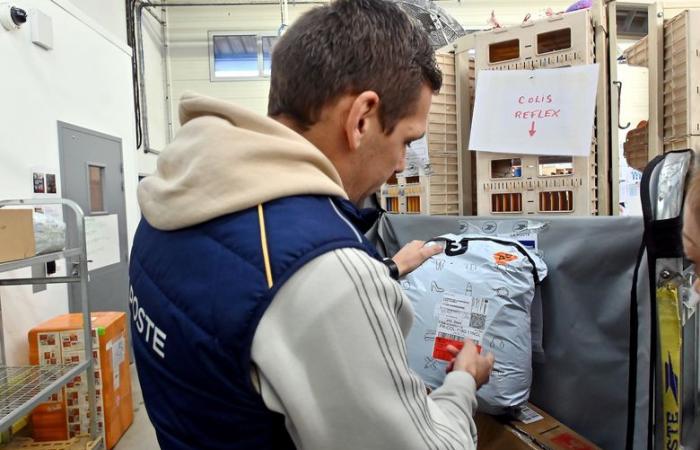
x,y
141,435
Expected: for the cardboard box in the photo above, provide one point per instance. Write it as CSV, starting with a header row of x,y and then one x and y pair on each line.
x,y
16,234
61,341
504,433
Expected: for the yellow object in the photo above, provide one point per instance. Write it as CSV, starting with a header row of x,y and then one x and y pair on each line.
x,y
667,305
263,242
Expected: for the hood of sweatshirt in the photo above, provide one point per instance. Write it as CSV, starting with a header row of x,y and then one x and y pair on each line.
x,y
226,159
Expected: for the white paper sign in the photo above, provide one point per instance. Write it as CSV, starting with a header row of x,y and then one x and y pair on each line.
x,y
417,159
102,235
540,112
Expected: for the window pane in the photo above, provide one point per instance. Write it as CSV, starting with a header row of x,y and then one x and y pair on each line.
x,y
507,203
504,51
236,56
506,168
557,201
554,41
96,175
268,42
555,166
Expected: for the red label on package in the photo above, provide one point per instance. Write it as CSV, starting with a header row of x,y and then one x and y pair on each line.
x,y
571,442
440,348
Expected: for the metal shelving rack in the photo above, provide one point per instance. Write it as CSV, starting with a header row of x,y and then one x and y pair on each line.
x,y
23,388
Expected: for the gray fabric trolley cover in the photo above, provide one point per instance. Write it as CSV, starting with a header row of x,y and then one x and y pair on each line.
x,y
481,288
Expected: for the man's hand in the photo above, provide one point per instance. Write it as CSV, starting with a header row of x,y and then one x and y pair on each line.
x,y
413,254
469,360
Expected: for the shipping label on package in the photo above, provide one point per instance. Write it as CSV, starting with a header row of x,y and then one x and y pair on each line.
x,y
459,317
72,340
49,349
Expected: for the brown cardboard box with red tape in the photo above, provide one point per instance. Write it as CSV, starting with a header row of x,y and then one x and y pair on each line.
x,y
536,430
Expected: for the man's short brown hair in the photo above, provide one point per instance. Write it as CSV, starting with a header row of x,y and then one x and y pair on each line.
x,y
348,47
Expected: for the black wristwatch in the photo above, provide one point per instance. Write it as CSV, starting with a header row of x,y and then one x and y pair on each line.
x,y
393,268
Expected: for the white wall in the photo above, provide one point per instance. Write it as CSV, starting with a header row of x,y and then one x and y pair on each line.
x,y
111,14
157,94
189,49
674,7
86,81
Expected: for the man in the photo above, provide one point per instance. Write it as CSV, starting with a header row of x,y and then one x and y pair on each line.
x,y
691,229
691,247
262,317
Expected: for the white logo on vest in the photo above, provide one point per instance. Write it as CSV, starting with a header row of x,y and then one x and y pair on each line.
x,y
155,335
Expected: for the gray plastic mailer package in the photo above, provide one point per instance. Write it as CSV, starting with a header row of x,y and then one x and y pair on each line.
x,y
582,380
480,288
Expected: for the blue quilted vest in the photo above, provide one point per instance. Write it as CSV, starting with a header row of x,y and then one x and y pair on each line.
x,y
197,296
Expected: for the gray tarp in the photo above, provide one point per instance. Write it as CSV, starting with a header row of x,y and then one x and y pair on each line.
x,y
583,379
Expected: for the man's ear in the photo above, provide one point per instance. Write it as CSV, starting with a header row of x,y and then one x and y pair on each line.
x,y
364,107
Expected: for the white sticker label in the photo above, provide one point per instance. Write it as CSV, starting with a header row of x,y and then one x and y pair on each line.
x,y
461,317
527,415
118,355
452,314
529,241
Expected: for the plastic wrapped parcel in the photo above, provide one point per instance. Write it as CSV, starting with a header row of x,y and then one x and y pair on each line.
x,y
480,288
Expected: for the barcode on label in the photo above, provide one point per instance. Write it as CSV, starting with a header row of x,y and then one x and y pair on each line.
x,y
477,321
454,337
527,415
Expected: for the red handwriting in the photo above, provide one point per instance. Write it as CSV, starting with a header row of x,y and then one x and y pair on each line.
x,y
536,99
537,114
532,114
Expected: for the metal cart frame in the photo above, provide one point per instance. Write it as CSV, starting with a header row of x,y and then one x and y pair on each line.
x,y
23,388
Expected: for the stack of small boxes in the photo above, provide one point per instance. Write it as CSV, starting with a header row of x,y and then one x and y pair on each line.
x,y
67,413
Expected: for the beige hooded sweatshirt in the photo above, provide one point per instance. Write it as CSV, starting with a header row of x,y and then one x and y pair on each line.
x,y
329,353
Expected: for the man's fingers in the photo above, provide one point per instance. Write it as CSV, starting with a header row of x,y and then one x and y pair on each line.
x,y
491,358
432,250
454,351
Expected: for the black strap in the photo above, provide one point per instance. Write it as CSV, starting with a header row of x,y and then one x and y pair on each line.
x,y
664,238
393,268
373,233
376,234
645,194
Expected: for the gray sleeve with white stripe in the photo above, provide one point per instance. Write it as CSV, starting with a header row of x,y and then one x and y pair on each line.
x,y
331,357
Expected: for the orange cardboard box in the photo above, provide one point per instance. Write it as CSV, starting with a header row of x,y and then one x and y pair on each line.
x,y
16,234
502,433
66,415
